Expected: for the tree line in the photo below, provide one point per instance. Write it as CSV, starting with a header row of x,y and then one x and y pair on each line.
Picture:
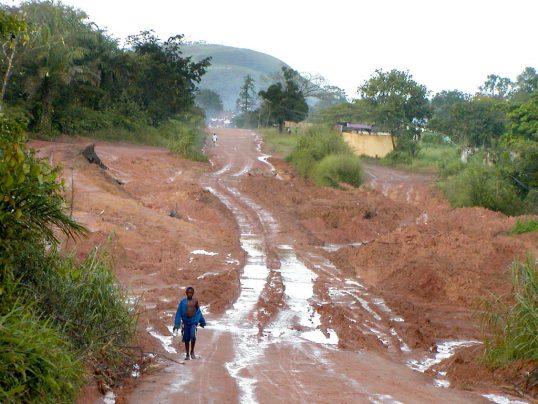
x,y
61,73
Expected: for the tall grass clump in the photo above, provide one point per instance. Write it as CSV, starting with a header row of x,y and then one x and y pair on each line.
x,y
512,331
322,155
335,169
480,185
37,363
86,303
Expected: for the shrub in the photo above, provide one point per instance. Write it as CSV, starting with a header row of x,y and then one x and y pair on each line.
x,y
37,364
86,303
525,227
315,144
479,185
335,169
512,330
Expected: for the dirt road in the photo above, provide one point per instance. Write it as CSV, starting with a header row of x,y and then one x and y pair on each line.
x,y
272,345
311,294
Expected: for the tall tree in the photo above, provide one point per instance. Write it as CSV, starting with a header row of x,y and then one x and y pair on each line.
x,y
526,84
442,104
496,86
397,99
284,102
247,95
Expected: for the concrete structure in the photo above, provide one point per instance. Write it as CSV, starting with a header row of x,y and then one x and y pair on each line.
x,y
364,140
374,145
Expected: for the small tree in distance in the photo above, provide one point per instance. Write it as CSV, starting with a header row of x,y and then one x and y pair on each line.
x,y
247,95
284,102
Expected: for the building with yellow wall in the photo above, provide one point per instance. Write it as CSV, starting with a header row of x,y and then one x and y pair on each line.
x,y
374,144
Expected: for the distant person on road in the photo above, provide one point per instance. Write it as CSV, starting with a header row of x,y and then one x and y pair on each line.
x,y
214,138
188,316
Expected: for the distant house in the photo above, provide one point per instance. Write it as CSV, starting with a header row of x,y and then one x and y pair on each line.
x,y
365,140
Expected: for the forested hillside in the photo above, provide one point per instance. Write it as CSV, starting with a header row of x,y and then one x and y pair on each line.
x,y
228,69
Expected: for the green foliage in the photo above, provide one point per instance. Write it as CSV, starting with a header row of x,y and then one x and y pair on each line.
x,y
284,102
247,96
474,122
322,154
55,310
480,185
31,203
526,226
37,363
314,144
86,303
524,119
73,78
356,111
336,168
512,330
281,143
496,86
397,100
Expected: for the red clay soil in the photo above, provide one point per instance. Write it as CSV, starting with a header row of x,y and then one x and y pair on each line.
x,y
429,263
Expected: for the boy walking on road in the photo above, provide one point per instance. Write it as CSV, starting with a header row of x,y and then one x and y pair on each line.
x,y
188,316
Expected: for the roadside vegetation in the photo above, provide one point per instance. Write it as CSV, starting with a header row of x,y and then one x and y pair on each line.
x,y
62,75
61,323
280,143
484,146
525,226
511,329
64,323
322,155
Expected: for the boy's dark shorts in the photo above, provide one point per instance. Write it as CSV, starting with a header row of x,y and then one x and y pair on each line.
x,y
189,333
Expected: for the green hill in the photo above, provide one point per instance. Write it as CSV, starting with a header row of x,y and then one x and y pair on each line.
x,y
229,66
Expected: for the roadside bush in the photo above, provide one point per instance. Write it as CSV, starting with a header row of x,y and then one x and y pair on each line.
x,y
315,144
37,364
479,185
525,227
512,330
86,303
335,169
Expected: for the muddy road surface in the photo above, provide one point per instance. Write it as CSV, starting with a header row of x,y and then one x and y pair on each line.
x,y
296,305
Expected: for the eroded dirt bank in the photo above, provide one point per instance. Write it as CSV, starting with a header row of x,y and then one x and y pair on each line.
x,y
340,296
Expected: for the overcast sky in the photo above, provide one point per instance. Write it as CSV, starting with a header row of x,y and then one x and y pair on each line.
x,y
445,44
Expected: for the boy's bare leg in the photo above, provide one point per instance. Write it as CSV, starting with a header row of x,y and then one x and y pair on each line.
x,y
192,350
187,350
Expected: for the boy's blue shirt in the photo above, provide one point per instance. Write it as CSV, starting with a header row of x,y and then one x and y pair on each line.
x,y
181,315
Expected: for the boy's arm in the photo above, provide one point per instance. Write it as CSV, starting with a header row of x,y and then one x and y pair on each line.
x,y
177,321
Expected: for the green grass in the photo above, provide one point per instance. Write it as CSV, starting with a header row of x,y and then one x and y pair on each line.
x,y
37,363
525,227
281,144
335,169
512,330
429,159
